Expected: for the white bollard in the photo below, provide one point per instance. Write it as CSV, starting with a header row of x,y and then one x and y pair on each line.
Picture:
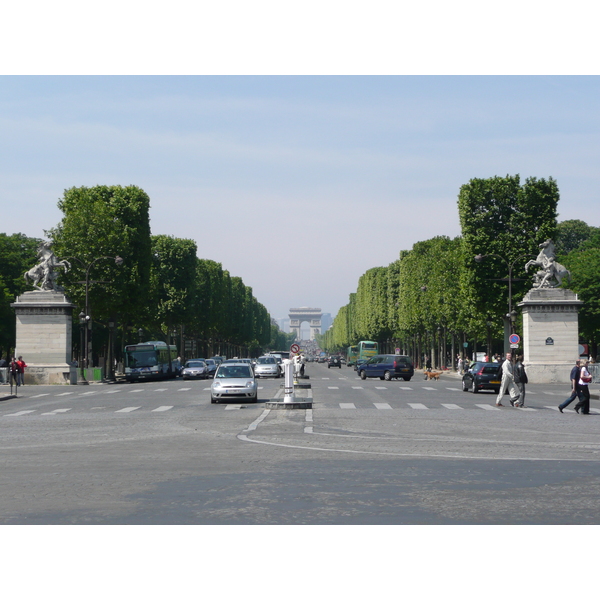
x,y
288,380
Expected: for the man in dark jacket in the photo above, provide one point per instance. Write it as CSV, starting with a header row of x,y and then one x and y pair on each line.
x,y
575,393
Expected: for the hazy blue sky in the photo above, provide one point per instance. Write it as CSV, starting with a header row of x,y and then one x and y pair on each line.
x,y
297,184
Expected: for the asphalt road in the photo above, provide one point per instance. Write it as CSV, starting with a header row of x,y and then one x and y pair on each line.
x,y
369,452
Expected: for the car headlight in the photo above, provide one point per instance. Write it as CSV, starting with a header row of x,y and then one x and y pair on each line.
x,y
250,384
216,384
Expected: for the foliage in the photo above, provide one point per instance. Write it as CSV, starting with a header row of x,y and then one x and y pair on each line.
x,y
571,235
106,221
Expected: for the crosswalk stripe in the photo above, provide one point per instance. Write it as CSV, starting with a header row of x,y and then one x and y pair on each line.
x,y
347,405
405,388
332,387
233,406
452,406
453,389
57,411
64,394
429,388
162,408
382,405
487,407
417,406
39,395
21,412
135,391
357,387
128,409
112,392
184,389
380,388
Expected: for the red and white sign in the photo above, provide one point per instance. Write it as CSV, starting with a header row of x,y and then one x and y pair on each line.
x,y
295,348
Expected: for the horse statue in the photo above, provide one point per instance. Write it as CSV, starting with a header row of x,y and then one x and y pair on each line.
x,y
546,259
43,275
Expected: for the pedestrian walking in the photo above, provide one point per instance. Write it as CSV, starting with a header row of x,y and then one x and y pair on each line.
x,y
508,383
520,379
574,378
3,371
460,365
428,363
21,374
584,397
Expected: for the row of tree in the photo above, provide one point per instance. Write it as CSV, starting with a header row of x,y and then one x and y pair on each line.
x,y
436,296
161,289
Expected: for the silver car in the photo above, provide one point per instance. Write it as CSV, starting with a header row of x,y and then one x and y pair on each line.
x,y
234,380
195,369
267,366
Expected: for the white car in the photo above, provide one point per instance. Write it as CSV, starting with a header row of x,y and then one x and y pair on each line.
x,y
267,366
234,380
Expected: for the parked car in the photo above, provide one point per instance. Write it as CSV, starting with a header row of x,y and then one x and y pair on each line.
x,y
267,366
388,367
482,376
234,380
334,361
195,369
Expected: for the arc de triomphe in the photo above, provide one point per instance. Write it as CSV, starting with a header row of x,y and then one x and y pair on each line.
x,y
299,315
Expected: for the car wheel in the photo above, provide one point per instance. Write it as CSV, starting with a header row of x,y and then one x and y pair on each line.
x,y
213,400
474,387
255,399
406,378
465,387
363,375
387,376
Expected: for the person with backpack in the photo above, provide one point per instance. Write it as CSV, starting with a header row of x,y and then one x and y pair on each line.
x,y
508,383
575,392
520,379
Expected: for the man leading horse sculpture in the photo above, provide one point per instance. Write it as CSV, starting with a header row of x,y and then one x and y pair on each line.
x,y
43,275
546,259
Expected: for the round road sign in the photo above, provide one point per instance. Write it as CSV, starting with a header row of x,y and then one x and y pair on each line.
x,y
295,348
514,338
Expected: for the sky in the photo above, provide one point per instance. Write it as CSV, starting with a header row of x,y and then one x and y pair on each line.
x,y
296,184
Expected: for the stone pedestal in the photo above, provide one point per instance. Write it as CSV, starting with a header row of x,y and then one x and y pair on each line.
x,y
550,334
44,336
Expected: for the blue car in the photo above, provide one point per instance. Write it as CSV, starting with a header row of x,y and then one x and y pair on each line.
x,y
387,367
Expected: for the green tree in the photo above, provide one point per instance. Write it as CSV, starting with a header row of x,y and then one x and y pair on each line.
x,y
571,235
106,221
500,216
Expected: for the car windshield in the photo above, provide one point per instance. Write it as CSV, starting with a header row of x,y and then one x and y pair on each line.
x,y
233,372
266,360
193,363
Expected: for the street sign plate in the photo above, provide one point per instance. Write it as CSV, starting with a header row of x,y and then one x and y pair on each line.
x,y
514,345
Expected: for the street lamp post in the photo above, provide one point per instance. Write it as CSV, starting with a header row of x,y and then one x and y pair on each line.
x,y
511,315
85,319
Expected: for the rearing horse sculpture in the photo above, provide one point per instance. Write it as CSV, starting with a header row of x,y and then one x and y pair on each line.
x,y
546,259
43,275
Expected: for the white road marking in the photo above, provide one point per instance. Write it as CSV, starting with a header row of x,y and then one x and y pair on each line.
x,y
21,412
128,409
233,406
488,407
160,390
184,389
65,394
405,388
112,392
452,406
39,395
357,387
57,411
347,405
332,387
380,388
382,405
453,389
162,408
135,391
418,406
429,388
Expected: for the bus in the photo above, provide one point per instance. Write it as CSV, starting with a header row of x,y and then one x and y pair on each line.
x,y
351,355
367,349
150,360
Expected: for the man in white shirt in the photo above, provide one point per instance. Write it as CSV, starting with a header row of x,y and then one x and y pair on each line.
x,y
508,382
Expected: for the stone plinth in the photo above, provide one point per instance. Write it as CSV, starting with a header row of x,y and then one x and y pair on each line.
x,y
550,334
44,336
